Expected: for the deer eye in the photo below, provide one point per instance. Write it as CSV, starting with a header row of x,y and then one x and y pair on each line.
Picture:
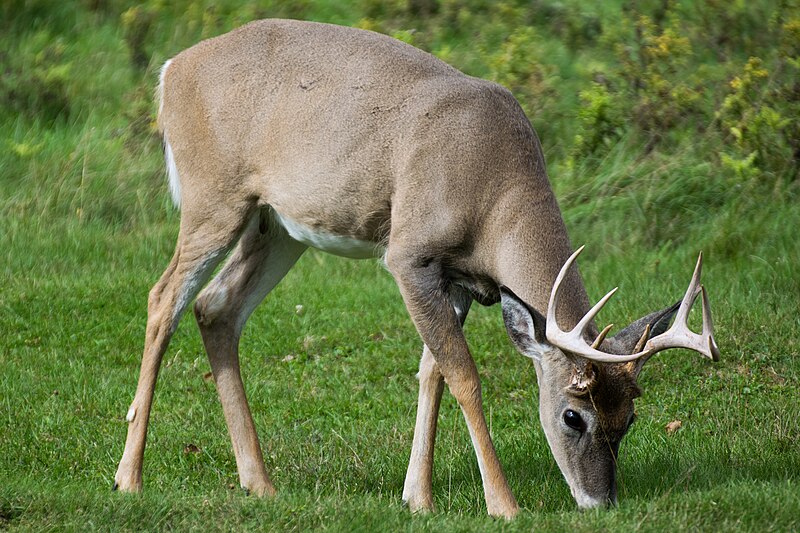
x,y
574,420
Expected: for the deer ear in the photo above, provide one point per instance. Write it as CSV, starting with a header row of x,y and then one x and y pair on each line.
x,y
525,325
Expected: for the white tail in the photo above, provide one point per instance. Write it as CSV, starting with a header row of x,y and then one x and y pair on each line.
x,y
284,134
172,171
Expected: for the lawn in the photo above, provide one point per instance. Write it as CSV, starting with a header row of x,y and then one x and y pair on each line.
x,y
333,395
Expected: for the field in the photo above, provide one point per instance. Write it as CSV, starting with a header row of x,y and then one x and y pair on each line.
x,y
668,128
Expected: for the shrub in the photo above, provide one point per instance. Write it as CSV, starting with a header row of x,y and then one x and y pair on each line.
x,y
36,78
514,66
600,121
757,119
653,67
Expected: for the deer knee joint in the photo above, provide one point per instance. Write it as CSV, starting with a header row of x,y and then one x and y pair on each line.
x,y
210,305
465,389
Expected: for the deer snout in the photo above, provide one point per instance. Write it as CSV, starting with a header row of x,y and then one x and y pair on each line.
x,y
587,501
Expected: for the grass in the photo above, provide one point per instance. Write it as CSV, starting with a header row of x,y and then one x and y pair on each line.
x,y
333,395
86,228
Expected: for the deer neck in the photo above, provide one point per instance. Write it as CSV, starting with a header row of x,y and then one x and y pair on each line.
x,y
532,246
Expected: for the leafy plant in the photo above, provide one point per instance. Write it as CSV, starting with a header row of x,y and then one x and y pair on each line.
x,y
514,66
37,78
137,23
600,121
660,95
755,116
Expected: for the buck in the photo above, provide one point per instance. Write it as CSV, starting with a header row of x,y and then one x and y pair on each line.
x,y
282,135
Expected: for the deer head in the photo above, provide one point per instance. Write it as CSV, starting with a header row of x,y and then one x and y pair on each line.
x,y
586,391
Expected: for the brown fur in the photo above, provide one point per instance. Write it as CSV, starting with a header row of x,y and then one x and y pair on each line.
x,y
613,397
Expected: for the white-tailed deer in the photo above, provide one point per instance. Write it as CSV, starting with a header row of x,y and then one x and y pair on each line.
x,y
283,134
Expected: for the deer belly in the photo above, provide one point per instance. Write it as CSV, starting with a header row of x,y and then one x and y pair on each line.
x,y
326,241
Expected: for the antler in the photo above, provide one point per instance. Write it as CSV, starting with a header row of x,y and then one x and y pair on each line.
x,y
678,336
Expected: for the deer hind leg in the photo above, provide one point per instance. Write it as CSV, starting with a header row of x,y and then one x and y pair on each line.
x,y
202,243
263,256
422,286
418,489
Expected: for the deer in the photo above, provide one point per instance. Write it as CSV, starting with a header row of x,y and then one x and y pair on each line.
x,y
283,135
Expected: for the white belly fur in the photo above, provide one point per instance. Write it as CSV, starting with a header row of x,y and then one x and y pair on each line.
x,y
328,242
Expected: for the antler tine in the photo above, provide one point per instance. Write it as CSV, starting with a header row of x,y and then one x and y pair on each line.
x,y
679,335
691,293
640,344
572,342
581,326
602,336
551,307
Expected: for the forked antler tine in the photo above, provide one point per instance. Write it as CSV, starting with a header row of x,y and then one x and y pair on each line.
x,y
602,336
679,335
581,326
572,342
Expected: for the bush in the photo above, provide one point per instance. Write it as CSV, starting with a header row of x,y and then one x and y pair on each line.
x,y
36,78
759,114
514,66
653,65
600,121
136,25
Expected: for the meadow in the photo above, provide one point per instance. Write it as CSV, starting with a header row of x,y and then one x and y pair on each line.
x,y
669,127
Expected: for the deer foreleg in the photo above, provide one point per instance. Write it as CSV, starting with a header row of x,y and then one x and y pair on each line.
x,y
418,489
424,291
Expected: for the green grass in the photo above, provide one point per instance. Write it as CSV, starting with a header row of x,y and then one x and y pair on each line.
x,y
86,228
336,418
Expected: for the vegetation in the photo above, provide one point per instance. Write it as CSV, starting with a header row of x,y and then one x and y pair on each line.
x,y
669,126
